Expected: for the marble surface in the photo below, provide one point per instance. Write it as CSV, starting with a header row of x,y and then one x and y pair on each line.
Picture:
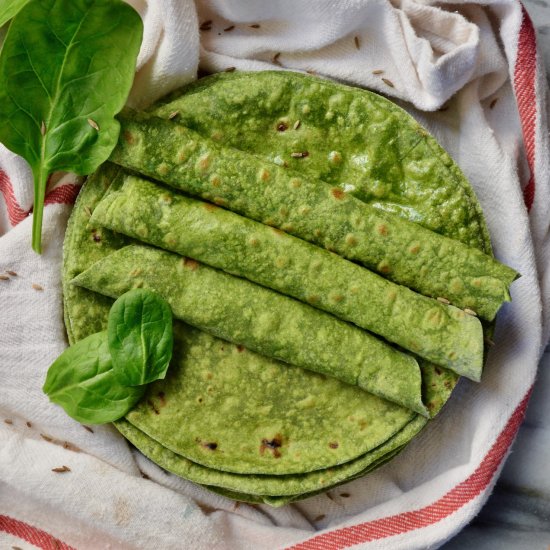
x,y
517,514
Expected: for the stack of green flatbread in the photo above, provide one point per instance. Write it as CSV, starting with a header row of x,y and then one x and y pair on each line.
x,y
326,262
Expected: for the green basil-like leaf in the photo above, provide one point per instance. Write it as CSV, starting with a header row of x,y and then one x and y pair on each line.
x,y
9,9
140,337
66,68
82,381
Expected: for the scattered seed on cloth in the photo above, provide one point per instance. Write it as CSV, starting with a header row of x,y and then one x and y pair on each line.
x,y
61,469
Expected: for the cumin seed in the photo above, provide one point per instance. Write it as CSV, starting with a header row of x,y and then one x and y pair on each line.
x,y
16,548
489,342
311,71
37,287
443,300
88,211
29,425
12,273
230,69
206,26
173,114
470,312
88,428
46,438
378,71
8,421
357,42
255,26
388,82
275,59
299,155
43,128
229,29
297,124
493,103
71,447
4,278
93,124
61,469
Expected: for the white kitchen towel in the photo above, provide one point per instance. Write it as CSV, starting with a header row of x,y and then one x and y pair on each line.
x,y
470,73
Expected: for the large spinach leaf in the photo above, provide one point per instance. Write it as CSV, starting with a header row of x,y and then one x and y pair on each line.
x,y
140,337
66,69
82,381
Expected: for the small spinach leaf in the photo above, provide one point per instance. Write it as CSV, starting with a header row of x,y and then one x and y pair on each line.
x,y
140,337
82,381
66,68
9,9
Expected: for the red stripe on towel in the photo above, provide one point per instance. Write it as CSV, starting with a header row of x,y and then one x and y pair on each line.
x,y
455,499
525,73
15,213
31,534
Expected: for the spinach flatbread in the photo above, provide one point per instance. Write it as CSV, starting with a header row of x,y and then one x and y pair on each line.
x,y
262,320
317,212
267,485
86,312
283,420
357,140
219,238
387,160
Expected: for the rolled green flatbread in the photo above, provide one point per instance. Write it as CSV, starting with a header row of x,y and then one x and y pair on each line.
x,y
262,320
356,139
439,333
404,252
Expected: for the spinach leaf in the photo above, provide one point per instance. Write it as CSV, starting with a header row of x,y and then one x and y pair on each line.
x,y
82,381
140,337
9,9
66,68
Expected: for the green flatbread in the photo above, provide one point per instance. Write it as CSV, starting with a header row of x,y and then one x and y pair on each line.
x,y
357,140
84,244
266,485
405,172
293,421
262,320
219,238
402,251
86,312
